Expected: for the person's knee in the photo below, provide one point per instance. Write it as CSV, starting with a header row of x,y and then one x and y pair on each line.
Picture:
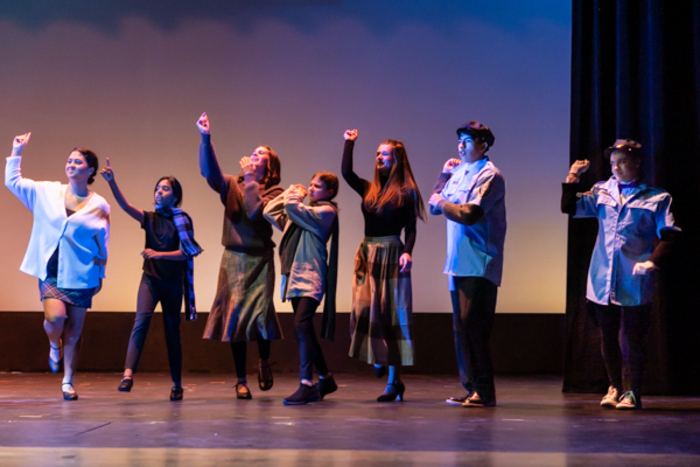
x,y
54,318
54,311
71,338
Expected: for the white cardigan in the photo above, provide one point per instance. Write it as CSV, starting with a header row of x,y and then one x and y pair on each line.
x,y
83,237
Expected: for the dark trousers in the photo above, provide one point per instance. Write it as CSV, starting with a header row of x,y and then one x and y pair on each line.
x,y
240,354
623,330
474,307
310,353
169,294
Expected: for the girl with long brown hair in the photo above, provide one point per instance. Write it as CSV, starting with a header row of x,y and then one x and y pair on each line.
x,y
243,309
381,320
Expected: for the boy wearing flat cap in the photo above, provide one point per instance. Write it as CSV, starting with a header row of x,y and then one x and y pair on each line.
x,y
631,216
470,193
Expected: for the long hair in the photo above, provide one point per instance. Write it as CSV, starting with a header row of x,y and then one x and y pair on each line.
x,y
399,187
273,174
174,185
91,160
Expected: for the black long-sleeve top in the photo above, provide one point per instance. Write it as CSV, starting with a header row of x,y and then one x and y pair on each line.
x,y
392,220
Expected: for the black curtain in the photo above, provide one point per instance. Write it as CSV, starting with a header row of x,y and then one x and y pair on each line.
x,y
636,74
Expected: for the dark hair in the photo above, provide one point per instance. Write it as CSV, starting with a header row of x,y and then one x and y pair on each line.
x,y
91,159
634,153
174,185
273,174
330,180
400,185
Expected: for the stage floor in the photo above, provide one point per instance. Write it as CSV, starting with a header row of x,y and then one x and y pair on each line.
x,y
534,424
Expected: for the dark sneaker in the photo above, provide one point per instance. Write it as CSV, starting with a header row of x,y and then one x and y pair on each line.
x,y
629,401
475,400
326,386
303,395
611,398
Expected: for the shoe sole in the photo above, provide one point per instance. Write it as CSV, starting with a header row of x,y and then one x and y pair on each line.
x,y
470,405
286,402
455,402
324,394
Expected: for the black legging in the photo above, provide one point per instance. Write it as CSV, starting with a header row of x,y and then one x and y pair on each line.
x,y
169,294
240,353
623,330
310,353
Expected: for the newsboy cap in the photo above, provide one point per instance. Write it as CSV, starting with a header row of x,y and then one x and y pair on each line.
x,y
628,145
477,130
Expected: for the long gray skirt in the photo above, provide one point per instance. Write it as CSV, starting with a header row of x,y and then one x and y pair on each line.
x,y
243,308
381,321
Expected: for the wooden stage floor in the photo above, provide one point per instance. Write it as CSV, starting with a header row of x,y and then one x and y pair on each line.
x,y
534,424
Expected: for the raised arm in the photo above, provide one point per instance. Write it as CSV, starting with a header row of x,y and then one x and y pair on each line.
x,y
131,210
22,188
570,187
208,164
356,183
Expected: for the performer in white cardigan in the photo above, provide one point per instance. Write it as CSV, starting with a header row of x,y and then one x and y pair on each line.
x,y
67,249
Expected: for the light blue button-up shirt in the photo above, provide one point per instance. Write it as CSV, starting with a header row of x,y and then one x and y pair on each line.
x,y
626,234
476,250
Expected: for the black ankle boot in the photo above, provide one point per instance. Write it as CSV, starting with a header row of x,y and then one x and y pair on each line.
x,y
396,391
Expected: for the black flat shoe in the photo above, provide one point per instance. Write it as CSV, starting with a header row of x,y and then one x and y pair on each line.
x,y
176,394
379,371
242,391
125,385
303,395
326,386
69,393
396,392
265,379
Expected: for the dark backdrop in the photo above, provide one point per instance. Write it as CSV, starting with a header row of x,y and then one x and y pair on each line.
x,y
635,74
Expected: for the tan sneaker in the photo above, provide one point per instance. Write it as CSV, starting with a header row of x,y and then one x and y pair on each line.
x,y
611,398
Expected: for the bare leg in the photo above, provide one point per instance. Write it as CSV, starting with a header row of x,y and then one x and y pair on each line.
x,y
72,341
54,319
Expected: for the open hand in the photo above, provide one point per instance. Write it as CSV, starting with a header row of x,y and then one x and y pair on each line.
x,y
107,172
247,166
203,124
350,135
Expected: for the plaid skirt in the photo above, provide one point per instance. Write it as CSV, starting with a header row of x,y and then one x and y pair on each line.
x,y
243,308
49,288
381,321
